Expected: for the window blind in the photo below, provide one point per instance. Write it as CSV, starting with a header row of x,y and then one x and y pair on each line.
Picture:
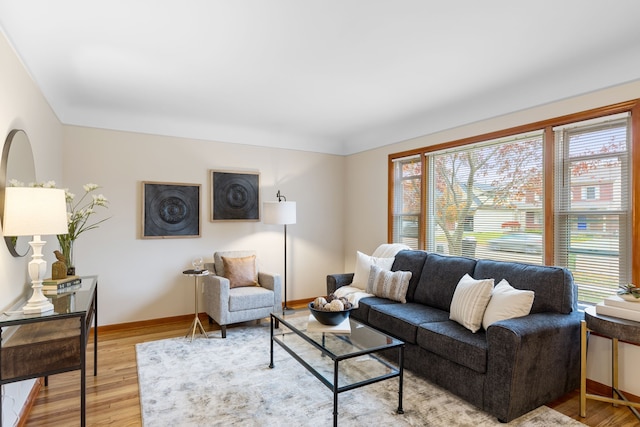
x,y
593,216
407,201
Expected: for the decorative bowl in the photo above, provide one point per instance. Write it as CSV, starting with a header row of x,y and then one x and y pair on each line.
x,y
629,297
329,318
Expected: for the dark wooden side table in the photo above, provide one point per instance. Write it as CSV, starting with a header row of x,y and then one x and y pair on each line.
x,y
616,329
39,345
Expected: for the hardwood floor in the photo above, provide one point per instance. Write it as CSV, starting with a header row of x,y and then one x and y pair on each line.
x,y
112,396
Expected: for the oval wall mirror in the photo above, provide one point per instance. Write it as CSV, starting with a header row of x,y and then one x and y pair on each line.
x,y
16,164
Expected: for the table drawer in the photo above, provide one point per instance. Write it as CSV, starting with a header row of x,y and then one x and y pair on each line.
x,y
37,348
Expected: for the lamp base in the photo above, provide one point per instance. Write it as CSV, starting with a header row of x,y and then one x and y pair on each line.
x,y
37,308
38,303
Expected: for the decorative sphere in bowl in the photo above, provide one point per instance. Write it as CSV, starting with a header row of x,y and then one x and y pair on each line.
x,y
330,318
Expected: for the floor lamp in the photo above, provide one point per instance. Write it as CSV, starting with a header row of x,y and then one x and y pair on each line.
x,y
282,213
35,211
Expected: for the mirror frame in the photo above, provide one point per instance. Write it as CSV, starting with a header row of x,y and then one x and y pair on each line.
x,y
24,163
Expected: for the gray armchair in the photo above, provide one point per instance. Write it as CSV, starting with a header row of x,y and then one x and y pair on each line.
x,y
227,305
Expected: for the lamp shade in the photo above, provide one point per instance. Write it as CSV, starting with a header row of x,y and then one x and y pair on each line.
x,y
31,211
279,212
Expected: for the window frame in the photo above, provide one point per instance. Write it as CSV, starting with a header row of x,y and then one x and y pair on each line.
x,y
632,107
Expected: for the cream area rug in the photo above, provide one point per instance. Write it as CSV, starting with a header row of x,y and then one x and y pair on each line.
x,y
223,382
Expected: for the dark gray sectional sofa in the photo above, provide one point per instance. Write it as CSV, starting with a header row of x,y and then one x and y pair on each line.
x,y
508,370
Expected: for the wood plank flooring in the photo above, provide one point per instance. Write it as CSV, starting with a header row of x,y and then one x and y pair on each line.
x,y
112,396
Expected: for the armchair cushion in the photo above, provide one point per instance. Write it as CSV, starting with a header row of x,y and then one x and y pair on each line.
x,y
240,271
248,298
219,265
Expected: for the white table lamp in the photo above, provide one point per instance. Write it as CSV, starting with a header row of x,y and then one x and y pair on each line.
x,y
34,212
282,213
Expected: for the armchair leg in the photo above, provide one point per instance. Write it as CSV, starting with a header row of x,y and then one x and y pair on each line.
x,y
223,329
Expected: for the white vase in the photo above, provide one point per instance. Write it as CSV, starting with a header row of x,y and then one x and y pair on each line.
x,y
629,297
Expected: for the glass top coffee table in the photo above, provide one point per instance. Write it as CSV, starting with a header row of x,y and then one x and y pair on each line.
x,y
340,361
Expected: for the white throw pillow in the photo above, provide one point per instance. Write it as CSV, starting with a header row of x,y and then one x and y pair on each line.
x,y
469,302
387,284
363,268
507,302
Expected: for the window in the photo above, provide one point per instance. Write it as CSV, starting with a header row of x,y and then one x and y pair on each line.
x,y
481,195
407,202
485,198
592,230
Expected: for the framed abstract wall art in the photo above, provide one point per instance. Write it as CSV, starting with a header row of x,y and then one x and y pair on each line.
x,y
170,210
235,195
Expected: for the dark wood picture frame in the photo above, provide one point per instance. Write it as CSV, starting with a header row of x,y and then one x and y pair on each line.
x,y
235,195
170,210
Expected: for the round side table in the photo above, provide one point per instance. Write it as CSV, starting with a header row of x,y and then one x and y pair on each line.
x,y
616,329
196,324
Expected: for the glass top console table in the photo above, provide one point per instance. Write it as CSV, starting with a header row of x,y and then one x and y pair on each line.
x,y
39,345
342,362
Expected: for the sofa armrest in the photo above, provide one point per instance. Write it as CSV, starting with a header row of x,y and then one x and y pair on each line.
x,y
335,281
531,361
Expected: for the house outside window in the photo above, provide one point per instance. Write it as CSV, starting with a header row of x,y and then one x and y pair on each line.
x,y
486,199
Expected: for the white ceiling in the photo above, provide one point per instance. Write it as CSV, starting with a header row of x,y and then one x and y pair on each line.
x,y
335,76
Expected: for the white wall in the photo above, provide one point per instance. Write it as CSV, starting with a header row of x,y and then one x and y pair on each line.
x,y
366,201
141,278
22,106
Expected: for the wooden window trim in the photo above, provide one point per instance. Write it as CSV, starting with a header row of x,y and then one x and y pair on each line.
x,y
632,106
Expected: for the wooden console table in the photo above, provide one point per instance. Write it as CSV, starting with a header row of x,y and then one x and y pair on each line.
x,y
39,345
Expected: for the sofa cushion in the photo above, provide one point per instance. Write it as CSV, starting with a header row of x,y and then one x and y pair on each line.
x,y
402,320
506,303
363,268
454,342
412,261
250,298
387,284
439,278
364,305
469,302
553,286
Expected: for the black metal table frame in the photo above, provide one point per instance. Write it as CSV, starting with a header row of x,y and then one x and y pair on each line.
x,y
395,371
85,318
